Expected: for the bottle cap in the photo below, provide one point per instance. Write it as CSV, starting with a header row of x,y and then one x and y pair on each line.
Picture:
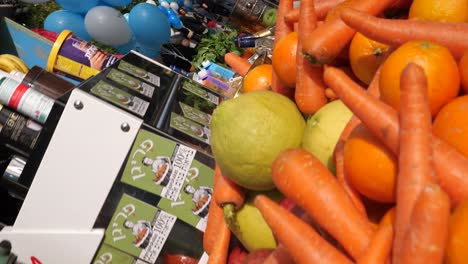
x,y
206,64
202,74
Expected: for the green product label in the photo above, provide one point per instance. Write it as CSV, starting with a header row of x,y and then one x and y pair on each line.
x,y
121,98
139,73
191,128
108,255
195,114
197,89
130,82
163,167
139,229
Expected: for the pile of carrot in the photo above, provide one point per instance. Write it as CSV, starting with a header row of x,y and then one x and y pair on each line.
x,y
432,177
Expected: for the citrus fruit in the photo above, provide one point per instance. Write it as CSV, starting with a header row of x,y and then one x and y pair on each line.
x,y
451,124
259,78
370,167
439,66
463,69
457,246
248,132
323,130
439,10
284,59
365,56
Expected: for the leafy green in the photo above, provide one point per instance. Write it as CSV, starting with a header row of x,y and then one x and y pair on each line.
x,y
213,48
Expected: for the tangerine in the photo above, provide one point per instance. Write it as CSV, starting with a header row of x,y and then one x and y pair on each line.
x,y
284,59
439,10
365,56
259,78
457,246
440,67
451,124
370,167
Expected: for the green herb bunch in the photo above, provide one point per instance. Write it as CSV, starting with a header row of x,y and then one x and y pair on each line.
x,y
214,46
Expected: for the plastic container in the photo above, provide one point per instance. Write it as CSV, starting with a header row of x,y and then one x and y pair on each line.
x,y
76,58
218,71
25,100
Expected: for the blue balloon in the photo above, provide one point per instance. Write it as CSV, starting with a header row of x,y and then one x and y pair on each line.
x,y
175,22
165,10
149,24
77,6
60,20
118,2
149,51
125,48
126,15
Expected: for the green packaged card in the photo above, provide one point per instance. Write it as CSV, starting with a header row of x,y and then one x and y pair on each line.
x,y
139,229
107,255
119,97
190,128
195,114
130,82
173,171
139,73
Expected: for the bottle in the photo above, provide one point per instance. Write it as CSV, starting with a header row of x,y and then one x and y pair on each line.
x,y
44,82
17,130
25,100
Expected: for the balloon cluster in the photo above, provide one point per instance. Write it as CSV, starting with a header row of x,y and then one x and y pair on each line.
x,y
144,29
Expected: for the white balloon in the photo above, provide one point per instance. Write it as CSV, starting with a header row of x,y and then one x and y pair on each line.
x,y
151,2
35,1
165,4
108,26
174,6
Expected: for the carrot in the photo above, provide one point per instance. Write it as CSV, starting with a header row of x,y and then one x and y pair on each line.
x,y
238,64
310,88
300,176
395,32
380,246
427,236
219,252
215,218
228,193
279,256
326,42
321,10
281,30
415,154
300,239
373,90
382,120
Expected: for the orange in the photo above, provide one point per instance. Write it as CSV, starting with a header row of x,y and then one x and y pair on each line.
x,y
370,167
463,68
259,78
457,246
441,69
284,59
365,56
451,124
439,10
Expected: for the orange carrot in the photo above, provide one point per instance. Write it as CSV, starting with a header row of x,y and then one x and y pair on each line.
x,y
326,42
427,236
238,64
300,176
415,168
279,256
215,219
281,30
380,246
219,252
382,120
300,239
310,88
228,193
463,68
321,10
395,32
